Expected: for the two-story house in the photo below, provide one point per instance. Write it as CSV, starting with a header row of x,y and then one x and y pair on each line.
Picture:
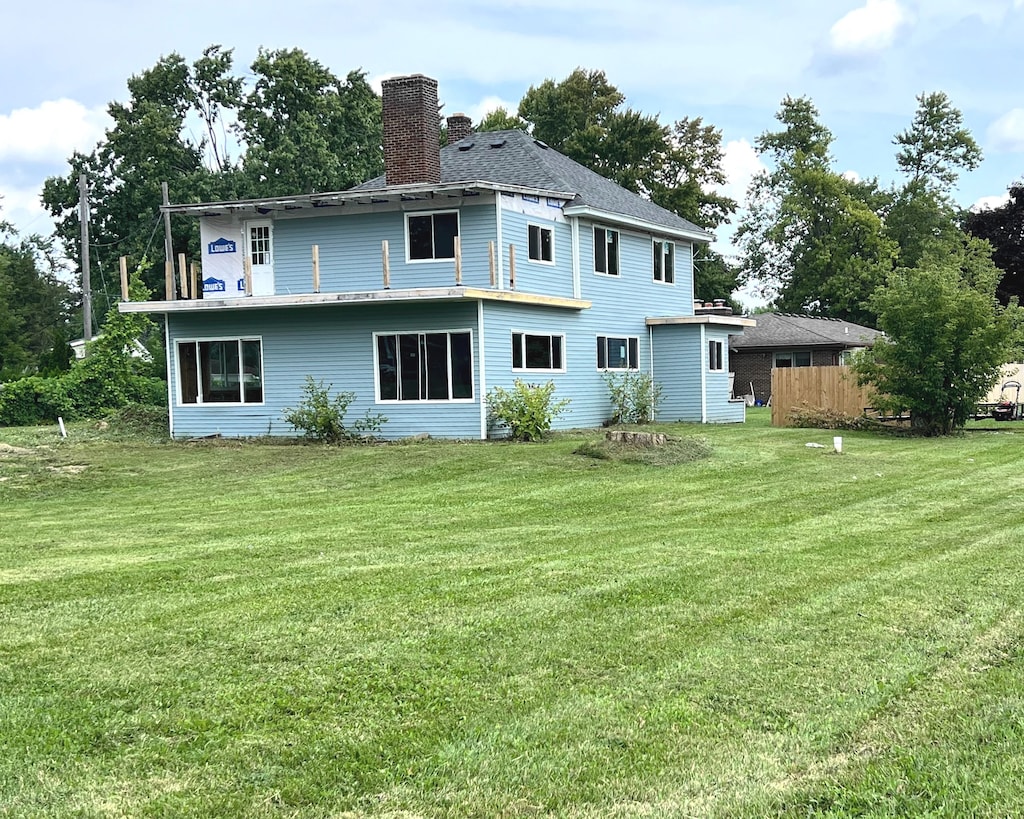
x,y
459,270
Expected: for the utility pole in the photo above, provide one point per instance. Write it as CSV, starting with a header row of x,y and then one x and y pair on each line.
x,y
83,216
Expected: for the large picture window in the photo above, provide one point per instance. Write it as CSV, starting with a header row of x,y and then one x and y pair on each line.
x,y
537,352
221,371
432,235
424,366
606,251
618,353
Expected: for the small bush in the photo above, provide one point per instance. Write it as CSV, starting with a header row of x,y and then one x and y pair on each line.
x,y
34,400
806,417
140,421
323,419
527,410
635,397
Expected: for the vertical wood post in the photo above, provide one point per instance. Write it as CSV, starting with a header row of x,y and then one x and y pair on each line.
x,y
316,268
169,279
248,275
183,275
493,264
123,261
512,267
386,262
458,261
194,290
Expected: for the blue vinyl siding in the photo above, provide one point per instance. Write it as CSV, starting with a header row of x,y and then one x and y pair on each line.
x,y
719,408
332,344
536,277
350,251
678,361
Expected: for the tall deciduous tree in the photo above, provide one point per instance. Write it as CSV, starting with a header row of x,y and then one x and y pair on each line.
x,y
931,154
946,337
810,237
1003,227
306,130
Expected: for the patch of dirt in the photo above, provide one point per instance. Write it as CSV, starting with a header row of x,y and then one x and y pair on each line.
x,y
8,450
70,469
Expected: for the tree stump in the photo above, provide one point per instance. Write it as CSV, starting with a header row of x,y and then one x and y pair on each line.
x,y
646,439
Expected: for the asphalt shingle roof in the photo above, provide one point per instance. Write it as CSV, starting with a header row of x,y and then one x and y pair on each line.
x,y
784,330
516,159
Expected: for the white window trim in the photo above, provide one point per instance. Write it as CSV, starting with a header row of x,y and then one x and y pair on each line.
x,y
425,401
198,340
675,255
627,368
550,229
618,252
408,245
721,355
525,369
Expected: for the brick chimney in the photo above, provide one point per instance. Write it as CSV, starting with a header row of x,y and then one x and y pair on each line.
x,y
412,153
459,127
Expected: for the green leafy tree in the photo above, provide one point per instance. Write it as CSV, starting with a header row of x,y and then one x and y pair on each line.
x,y
306,129
931,154
501,120
811,237
1003,227
946,337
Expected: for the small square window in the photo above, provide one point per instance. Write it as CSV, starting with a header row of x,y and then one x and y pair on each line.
x,y
432,235
618,353
537,352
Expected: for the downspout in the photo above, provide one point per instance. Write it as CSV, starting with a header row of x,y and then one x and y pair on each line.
x,y
170,381
650,343
482,357
703,375
577,289
500,253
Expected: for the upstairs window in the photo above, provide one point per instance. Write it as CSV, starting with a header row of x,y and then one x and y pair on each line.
x,y
618,353
537,352
542,243
716,356
606,251
432,235
665,262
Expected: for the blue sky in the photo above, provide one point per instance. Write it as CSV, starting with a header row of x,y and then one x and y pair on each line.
x,y
862,62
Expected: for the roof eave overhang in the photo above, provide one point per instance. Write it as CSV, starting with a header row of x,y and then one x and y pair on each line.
x,y
712,321
388,195
422,295
690,234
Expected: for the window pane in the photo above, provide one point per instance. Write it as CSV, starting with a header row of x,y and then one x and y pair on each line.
x,y
670,262
613,253
547,250
421,244
533,236
259,244
252,372
602,352
462,366
538,352
446,228
409,367
634,354
387,367
600,251
187,373
657,261
617,354
556,352
517,351
802,359
220,371
436,347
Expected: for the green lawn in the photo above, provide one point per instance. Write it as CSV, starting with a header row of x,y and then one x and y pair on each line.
x,y
470,629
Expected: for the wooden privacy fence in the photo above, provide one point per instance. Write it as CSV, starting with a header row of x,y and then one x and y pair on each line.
x,y
826,388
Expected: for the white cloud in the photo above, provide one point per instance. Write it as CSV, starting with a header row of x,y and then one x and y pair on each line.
x,y
741,163
487,104
21,207
51,131
869,29
990,202
1007,133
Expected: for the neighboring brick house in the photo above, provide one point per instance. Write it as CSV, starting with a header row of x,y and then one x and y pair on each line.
x,y
459,270
786,340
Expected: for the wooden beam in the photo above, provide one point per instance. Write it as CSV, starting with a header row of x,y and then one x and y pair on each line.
x,y
492,260
248,275
183,275
316,268
169,279
458,260
194,269
123,261
512,267
385,255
